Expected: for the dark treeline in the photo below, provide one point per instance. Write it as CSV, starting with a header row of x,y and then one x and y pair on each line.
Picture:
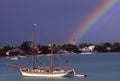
x,y
27,48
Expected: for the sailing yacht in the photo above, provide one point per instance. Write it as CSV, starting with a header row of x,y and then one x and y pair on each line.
x,y
60,71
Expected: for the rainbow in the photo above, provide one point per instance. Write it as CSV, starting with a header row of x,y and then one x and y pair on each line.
x,y
90,20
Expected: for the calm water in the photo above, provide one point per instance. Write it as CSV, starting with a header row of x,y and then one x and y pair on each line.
x,y
98,67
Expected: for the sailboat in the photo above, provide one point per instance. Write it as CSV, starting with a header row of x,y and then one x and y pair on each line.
x,y
42,71
60,71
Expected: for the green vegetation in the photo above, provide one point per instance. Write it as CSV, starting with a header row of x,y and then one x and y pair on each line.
x,y
26,47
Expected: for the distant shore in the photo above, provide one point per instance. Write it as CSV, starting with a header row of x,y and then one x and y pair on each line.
x,y
85,48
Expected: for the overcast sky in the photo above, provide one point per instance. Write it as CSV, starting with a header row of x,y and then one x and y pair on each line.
x,y
56,20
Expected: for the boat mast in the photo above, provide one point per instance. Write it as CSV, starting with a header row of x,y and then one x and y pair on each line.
x,y
51,57
33,44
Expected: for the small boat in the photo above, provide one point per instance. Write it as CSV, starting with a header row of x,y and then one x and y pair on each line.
x,y
14,58
80,75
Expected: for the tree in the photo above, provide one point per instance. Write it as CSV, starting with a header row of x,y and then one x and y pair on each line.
x,y
116,47
83,45
100,48
70,48
4,50
26,47
44,49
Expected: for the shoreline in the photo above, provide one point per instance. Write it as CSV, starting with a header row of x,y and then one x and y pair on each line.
x,y
60,54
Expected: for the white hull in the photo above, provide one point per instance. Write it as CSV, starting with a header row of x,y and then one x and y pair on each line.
x,y
14,58
47,74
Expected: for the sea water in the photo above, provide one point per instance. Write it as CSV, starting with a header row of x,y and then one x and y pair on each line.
x,y
97,67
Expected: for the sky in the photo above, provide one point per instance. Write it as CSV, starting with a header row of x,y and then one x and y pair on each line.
x,y
57,21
